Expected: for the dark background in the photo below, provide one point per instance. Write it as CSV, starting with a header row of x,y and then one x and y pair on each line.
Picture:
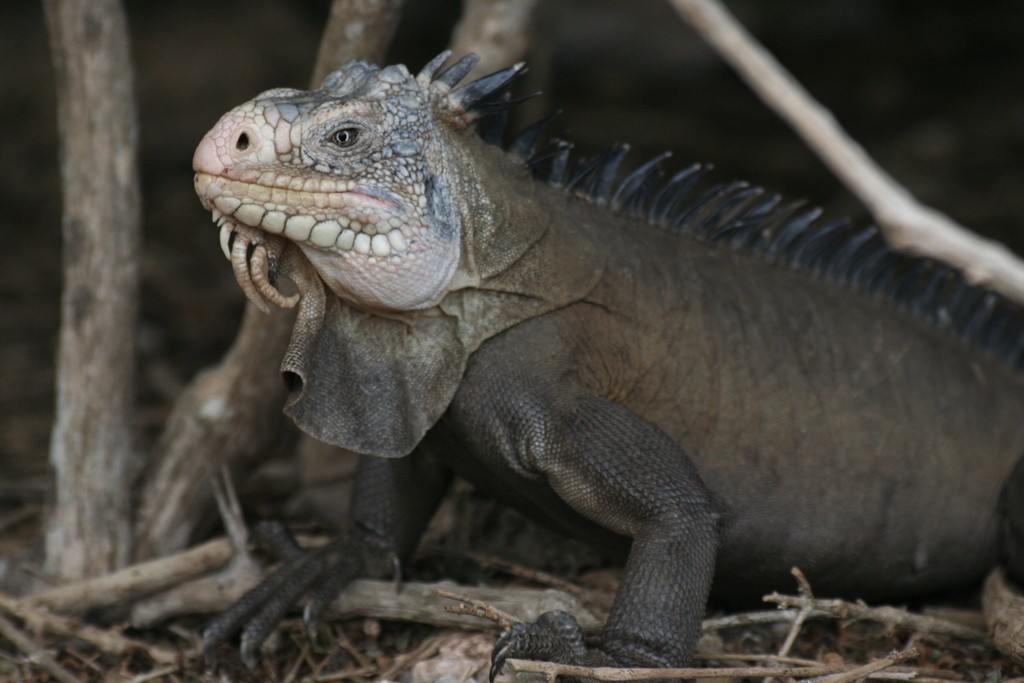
x,y
934,90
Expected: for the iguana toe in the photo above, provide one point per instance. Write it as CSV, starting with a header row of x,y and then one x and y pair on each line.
x,y
322,574
554,637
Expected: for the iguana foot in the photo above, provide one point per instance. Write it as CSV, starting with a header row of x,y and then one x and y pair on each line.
x,y
554,637
319,575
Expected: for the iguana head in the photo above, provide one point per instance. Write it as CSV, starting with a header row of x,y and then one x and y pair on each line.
x,y
411,239
353,173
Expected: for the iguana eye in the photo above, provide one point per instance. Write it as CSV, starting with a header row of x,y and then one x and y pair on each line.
x,y
344,137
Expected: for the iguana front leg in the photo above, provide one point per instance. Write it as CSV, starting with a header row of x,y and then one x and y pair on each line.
x,y
393,499
562,452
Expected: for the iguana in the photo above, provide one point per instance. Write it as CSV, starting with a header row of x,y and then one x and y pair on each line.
x,y
715,382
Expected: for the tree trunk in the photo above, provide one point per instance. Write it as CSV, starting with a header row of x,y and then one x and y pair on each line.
x,y
356,29
497,30
89,528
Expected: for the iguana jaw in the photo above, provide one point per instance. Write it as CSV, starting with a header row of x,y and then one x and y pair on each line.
x,y
318,218
252,232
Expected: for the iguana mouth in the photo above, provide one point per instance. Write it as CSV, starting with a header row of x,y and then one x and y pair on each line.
x,y
254,234
372,225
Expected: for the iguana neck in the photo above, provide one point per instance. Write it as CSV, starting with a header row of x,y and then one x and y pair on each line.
x,y
520,257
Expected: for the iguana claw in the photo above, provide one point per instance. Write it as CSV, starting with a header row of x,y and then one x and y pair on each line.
x,y
255,256
502,648
555,636
317,574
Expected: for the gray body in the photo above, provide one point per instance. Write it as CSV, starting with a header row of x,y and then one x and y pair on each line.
x,y
708,383
845,437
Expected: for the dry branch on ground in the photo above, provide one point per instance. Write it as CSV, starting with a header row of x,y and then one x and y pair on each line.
x,y
908,225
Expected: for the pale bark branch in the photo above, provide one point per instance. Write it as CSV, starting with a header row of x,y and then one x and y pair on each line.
x,y
496,30
91,451
411,601
907,224
124,586
356,29
1003,608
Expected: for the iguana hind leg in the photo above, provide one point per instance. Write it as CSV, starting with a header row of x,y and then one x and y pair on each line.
x,y
560,452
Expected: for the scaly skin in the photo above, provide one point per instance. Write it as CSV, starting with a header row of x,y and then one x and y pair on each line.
x,y
708,408
268,165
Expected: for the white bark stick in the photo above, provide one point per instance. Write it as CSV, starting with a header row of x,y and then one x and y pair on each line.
x,y
907,224
496,30
89,528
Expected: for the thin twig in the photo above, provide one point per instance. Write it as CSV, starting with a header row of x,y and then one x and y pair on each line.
x,y
302,645
892,617
348,646
154,674
753,657
608,673
804,587
230,510
110,642
17,516
867,669
552,670
33,653
816,674
908,225
359,674
477,608
895,672
743,619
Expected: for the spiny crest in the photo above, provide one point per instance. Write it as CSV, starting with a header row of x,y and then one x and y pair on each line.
x,y
473,100
745,218
741,217
732,215
364,81
465,103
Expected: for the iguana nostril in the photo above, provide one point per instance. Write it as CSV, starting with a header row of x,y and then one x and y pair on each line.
x,y
242,143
